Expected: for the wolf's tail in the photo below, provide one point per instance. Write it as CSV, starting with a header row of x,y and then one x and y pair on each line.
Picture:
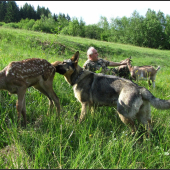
x,y
155,102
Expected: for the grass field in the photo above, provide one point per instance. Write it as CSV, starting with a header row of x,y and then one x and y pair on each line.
x,y
102,141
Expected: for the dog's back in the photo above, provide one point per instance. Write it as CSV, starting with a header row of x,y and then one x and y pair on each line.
x,y
91,89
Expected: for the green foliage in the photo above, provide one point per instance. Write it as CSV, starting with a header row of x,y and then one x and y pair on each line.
x,y
104,25
93,32
102,140
2,23
45,24
74,28
153,30
150,31
140,31
26,24
11,13
11,25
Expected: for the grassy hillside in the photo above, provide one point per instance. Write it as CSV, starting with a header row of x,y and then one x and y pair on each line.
x,y
102,141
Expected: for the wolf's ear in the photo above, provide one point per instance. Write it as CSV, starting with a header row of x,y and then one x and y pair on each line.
x,y
75,58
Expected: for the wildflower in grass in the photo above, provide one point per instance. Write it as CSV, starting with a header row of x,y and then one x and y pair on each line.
x,y
157,147
166,153
90,135
124,132
147,139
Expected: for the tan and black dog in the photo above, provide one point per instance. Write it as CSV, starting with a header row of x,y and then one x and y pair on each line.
x,y
91,89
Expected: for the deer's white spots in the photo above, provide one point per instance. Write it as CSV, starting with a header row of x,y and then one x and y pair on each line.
x,y
30,68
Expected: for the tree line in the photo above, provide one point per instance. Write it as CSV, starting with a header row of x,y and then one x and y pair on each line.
x,y
10,12
151,30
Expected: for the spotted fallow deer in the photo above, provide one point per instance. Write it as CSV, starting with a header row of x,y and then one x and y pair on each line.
x,y
20,75
143,72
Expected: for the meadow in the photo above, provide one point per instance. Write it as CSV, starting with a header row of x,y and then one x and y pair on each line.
x,y
101,141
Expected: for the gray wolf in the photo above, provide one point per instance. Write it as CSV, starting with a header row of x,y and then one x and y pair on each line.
x,y
92,90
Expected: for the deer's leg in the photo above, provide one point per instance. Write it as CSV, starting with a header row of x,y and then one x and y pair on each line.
x,y
47,89
38,87
56,101
53,96
20,105
24,112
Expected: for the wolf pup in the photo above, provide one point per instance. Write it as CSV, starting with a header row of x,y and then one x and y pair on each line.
x,y
91,89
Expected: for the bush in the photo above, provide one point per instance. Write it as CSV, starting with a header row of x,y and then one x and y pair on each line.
x,y
37,26
30,24
65,31
23,22
45,24
11,25
2,23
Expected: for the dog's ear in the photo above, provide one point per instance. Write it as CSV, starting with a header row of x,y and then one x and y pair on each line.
x,y
75,58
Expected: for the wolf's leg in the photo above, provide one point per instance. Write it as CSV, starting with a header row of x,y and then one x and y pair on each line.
x,y
128,105
144,116
129,122
83,111
92,109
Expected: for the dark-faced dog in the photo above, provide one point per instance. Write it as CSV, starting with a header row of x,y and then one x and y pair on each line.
x,y
91,89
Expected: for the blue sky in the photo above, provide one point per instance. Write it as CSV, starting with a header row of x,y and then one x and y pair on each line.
x,y
91,11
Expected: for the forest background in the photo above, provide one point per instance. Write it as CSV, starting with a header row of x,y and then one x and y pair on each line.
x,y
151,30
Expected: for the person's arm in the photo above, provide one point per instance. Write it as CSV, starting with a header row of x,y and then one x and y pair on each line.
x,y
116,64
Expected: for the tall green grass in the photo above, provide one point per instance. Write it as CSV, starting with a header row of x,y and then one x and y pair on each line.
x,y
102,140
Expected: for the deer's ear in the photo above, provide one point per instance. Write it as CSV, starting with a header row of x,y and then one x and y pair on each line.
x,y
75,58
56,63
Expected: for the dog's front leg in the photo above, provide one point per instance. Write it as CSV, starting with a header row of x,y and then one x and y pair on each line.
x,y
83,111
92,108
